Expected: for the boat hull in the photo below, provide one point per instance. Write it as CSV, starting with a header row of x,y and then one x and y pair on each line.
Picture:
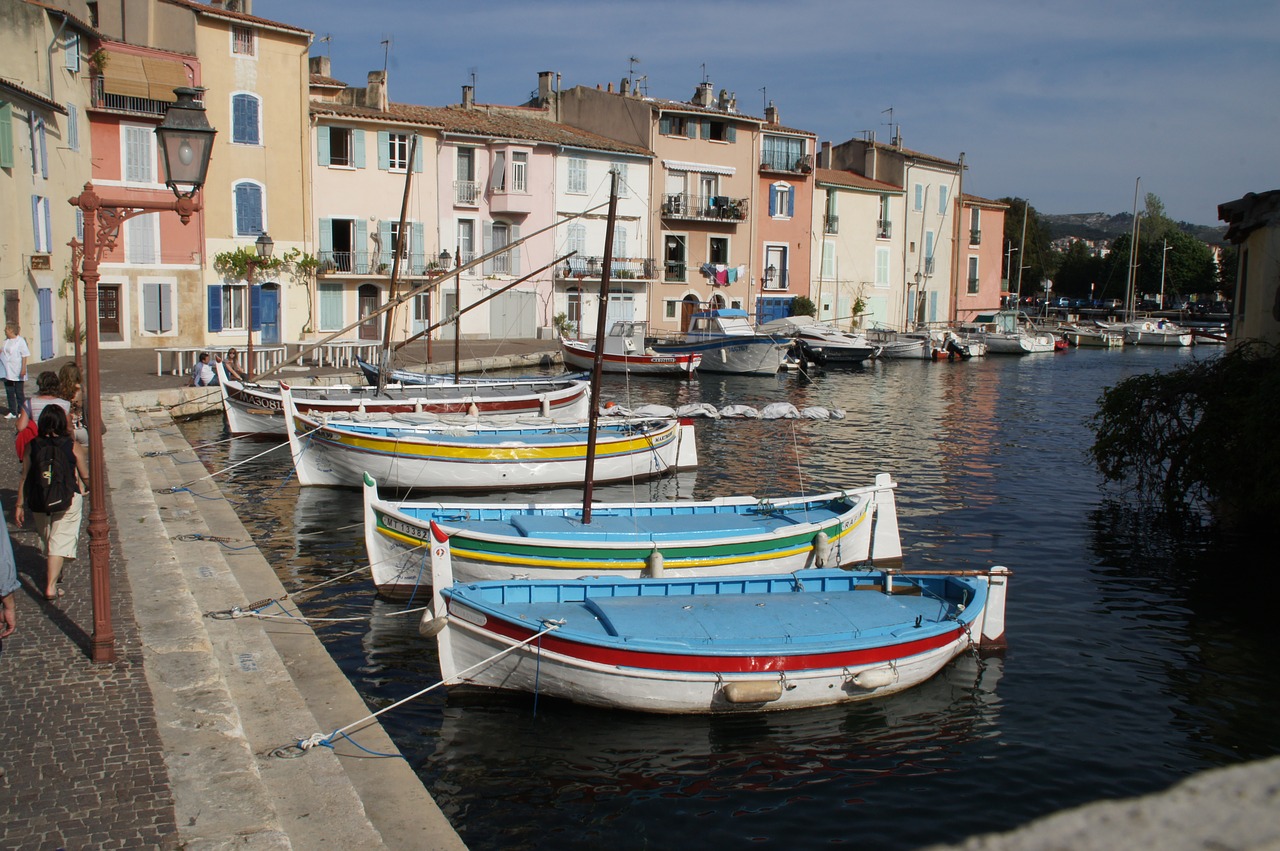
x,y
259,409
719,537
735,355
580,355
742,644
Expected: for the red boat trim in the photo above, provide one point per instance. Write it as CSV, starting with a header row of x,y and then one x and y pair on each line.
x,y
706,664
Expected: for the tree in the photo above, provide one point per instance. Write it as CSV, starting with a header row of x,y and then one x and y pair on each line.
x,y
1035,259
1079,272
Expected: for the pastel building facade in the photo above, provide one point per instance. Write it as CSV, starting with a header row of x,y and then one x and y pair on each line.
x,y
45,155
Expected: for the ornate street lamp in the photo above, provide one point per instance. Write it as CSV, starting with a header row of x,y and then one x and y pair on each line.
x,y
265,245
186,141
770,273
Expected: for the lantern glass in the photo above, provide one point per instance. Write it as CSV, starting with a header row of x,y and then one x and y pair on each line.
x,y
186,143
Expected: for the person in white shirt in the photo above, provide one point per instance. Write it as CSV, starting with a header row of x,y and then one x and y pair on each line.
x,y
13,358
202,374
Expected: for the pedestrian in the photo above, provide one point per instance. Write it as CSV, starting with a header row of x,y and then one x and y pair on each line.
x,y
231,366
48,392
8,584
13,356
202,373
60,530
71,388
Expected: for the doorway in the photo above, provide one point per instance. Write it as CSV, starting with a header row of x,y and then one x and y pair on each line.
x,y
367,303
269,314
109,313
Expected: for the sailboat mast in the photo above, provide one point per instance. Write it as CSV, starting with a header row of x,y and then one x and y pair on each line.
x,y
1022,251
384,364
1133,250
593,417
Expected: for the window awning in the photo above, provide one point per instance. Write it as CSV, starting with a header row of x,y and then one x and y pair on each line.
x,y
704,168
149,77
163,76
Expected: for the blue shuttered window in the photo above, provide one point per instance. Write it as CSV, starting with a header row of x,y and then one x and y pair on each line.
x,y
255,306
360,260
577,176
244,120
73,127
215,307
331,307
417,155
249,209
71,56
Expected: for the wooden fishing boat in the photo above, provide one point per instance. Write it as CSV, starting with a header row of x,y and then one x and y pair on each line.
x,y
258,409
410,451
625,352
696,538
412,377
723,645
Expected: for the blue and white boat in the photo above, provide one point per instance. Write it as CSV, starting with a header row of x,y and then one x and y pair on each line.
x,y
724,536
409,377
728,342
723,645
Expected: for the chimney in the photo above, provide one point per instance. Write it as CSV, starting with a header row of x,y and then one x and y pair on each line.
x,y
610,87
375,93
771,114
704,95
824,156
468,96
544,86
625,86
723,100
319,65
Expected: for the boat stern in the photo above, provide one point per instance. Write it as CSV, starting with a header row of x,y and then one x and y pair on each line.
x,y
989,630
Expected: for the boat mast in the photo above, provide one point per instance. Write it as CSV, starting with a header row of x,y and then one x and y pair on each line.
x,y
384,366
1022,253
1131,280
593,417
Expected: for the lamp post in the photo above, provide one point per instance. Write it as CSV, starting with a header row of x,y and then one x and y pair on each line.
x,y
1008,268
186,141
264,244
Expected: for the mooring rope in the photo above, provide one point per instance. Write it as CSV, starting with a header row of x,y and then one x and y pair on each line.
x,y
322,740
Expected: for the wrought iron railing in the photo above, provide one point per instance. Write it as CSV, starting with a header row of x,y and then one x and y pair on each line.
x,y
831,224
788,162
975,237
685,205
884,228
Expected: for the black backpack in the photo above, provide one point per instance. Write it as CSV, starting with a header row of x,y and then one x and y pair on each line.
x,y
51,476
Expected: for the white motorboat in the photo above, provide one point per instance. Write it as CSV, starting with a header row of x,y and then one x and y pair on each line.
x,y
822,343
729,343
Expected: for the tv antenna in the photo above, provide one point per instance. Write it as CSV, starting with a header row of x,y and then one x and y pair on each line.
x,y
764,92
327,41
631,68
704,72
386,52
893,128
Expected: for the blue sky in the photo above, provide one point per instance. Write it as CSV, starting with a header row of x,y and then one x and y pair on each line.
x,y
1063,103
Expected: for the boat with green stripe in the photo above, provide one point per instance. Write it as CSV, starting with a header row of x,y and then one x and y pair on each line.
x,y
684,538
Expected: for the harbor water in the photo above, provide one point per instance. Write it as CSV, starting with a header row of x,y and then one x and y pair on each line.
x,y
1138,651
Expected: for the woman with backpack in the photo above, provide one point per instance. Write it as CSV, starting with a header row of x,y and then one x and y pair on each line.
x,y
55,475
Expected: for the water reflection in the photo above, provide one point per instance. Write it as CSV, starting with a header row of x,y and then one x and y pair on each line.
x,y
1139,652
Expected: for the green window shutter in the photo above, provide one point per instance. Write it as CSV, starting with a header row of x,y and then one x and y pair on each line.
x,y
417,155
361,250
732,133
322,145
691,128
418,246
664,125
387,254
326,237
706,128
6,135
384,150
357,139
515,252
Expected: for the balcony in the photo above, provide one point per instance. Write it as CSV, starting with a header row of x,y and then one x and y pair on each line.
x,y
101,99
675,272
831,224
511,203
884,228
466,193
579,267
415,264
975,237
786,163
717,208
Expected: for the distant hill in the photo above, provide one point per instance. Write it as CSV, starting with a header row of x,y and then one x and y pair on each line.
x,y
1107,226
